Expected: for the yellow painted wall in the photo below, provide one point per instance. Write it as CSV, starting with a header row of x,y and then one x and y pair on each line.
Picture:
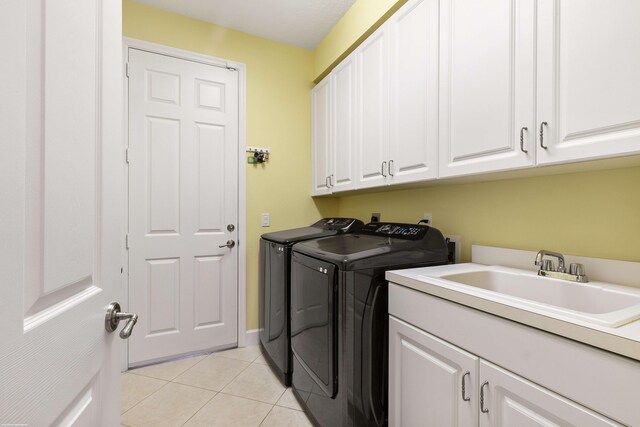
x,y
278,117
594,214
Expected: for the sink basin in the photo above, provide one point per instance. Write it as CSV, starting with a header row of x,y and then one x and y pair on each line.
x,y
598,303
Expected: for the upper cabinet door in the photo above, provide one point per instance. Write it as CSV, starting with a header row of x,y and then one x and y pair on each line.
x,y
320,134
588,85
487,86
343,118
372,59
413,72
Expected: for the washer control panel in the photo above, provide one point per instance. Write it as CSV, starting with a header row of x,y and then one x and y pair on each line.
x,y
342,224
395,230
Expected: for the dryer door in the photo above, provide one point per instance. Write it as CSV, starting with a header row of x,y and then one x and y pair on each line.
x,y
314,319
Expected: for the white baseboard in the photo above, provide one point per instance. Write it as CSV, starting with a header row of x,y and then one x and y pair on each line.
x,y
251,338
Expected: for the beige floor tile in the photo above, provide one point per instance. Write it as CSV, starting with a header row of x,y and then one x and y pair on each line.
x,y
285,417
256,382
261,360
135,388
248,354
226,410
167,370
288,400
172,405
212,373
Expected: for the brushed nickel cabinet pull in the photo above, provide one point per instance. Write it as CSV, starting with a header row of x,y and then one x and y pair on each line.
x,y
464,387
542,125
522,140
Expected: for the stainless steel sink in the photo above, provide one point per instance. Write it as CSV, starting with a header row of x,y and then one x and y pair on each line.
x,y
595,302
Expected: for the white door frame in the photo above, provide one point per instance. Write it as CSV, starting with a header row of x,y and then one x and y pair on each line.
x,y
242,181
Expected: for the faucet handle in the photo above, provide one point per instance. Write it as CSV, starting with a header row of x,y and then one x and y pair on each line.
x,y
547,265
576,269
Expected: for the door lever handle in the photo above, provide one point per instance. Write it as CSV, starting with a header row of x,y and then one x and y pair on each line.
x,y
113,318
230,244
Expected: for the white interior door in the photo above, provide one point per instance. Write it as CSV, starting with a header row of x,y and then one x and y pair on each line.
x,y
61,200
183,205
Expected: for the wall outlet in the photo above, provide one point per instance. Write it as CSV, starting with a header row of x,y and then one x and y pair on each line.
x,y
375,217
428,216
456,240
265,220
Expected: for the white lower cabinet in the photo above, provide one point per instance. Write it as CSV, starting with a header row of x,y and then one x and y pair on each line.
x,y
426,380
435,383
510,400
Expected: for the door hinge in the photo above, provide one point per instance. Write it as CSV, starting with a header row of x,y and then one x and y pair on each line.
x,y
126,241
126,69
126,155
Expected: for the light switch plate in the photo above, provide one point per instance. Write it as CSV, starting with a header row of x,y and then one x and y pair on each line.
x,y
265,220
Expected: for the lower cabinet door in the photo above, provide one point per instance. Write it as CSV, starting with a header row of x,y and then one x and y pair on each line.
x,y
426,380
510,400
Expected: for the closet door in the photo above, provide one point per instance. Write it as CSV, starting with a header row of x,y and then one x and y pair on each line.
x,y
588,85
487,86
413,85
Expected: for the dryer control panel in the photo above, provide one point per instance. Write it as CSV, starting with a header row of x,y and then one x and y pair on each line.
x,y
395,230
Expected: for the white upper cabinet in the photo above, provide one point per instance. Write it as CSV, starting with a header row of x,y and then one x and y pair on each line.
x,y
588,79
373,125
320,134
487,86
413,92
448,88
343,129
398,98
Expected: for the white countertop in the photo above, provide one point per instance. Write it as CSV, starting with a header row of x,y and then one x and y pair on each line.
x,y
623,340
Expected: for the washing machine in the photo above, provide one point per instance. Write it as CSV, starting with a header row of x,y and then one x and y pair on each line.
x,y
339,318
273,281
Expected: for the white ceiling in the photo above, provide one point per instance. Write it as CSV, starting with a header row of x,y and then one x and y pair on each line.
x,y
302,23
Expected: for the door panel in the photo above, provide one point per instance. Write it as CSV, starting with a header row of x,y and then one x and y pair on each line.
x,y
183,190
487,71
320,135
414,91
343,111
313,319
61,172
425,380
372,57
588,88
513,401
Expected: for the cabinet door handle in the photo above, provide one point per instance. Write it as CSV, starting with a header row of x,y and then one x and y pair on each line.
x,y
326,182
382,169
464,387
331,180
522,139
482,408
390,164
542,125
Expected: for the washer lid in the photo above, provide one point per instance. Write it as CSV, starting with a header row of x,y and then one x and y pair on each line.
x,y
323,228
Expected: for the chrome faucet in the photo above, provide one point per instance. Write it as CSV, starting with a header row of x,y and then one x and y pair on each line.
x,y
549,266
576,271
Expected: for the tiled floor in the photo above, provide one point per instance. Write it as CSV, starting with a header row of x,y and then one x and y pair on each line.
x,y
228,388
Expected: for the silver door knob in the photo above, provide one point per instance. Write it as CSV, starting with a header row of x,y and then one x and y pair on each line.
x,y
230,244
113,318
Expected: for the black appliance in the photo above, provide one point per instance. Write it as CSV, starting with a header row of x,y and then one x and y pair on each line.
x,y
339,318
275,264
